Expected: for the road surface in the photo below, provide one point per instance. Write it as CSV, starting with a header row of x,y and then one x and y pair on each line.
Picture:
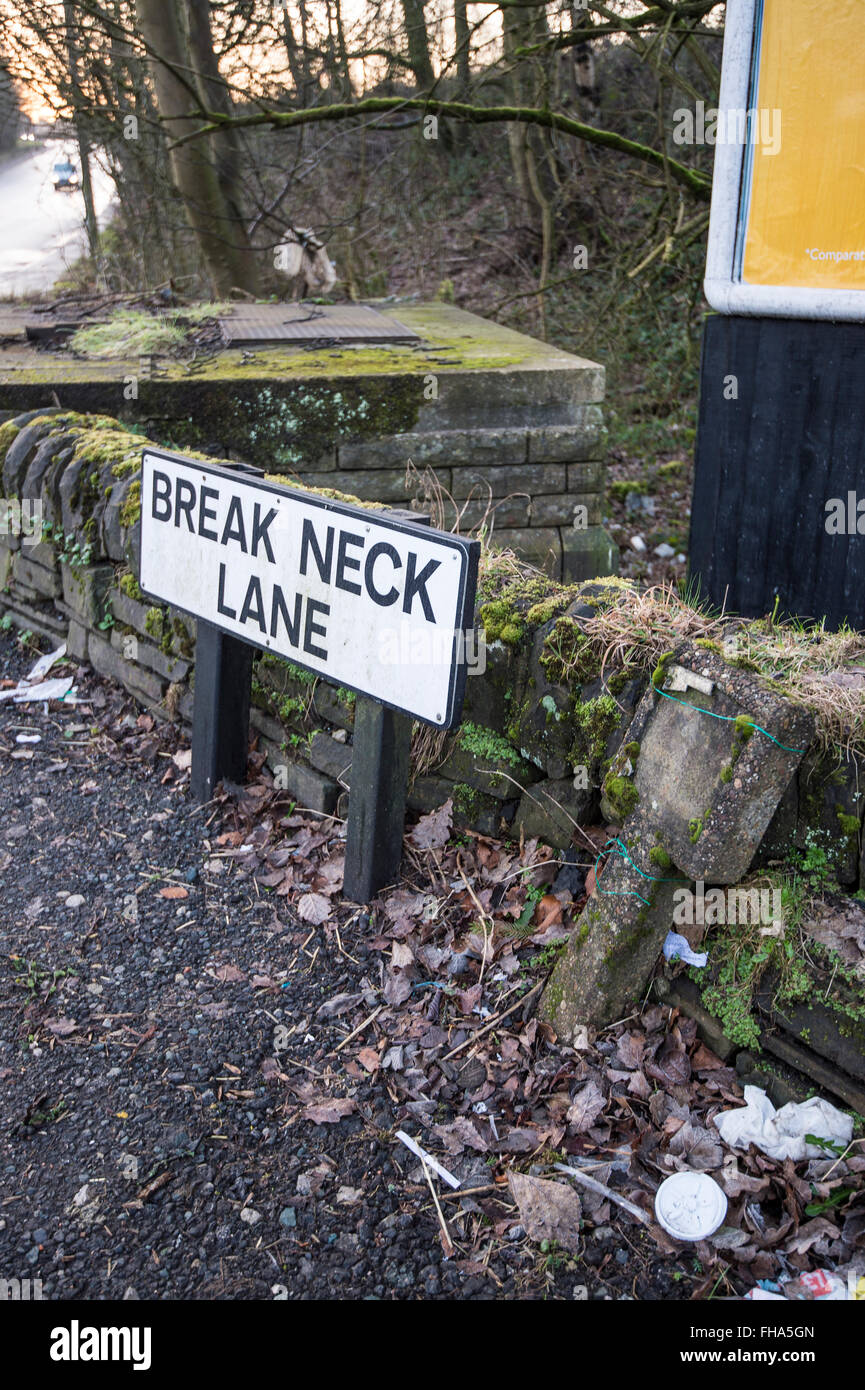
x,y
42,232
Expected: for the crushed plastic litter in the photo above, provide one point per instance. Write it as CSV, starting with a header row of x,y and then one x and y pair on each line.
x,y
782,1133
677,947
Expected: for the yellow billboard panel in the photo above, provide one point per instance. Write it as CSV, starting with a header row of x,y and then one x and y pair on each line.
x,y
803,208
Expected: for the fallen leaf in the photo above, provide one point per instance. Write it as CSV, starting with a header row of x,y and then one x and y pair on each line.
x,y
229,974
330,1112
548,912
587,1105
369,1058
61,1027
433,831
548,1210
313,908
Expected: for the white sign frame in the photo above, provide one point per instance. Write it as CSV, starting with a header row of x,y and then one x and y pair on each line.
x,y
184,562
726,292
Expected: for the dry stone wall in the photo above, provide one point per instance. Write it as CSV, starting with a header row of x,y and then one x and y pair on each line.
x,y
703,773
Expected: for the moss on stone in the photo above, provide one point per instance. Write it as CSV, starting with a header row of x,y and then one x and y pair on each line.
x,y
8,434
622,796
568,654
849,824
128,585
130,512
595,719
501,623
659,675
660,858
486,744
154,623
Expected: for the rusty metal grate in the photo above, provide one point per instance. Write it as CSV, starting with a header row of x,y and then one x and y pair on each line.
x,y
257,325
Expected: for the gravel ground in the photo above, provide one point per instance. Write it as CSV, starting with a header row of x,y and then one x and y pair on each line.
x,y
196,1101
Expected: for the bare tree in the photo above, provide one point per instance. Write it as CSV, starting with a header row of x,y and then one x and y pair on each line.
x,y
175,62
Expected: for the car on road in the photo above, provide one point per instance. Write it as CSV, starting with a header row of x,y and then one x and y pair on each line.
x,y
65,177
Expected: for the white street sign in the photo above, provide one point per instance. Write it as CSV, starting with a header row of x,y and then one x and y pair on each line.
x,y
376,605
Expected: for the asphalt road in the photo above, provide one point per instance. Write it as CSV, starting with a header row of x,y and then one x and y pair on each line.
x,y
42,232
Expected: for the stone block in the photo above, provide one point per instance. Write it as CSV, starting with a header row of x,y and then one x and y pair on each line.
x,y
22,449
614,947
551,810
85,591
336,708
589,476
129,611
542,720
43,554
6,554
707,784
494,480
76,641
266,724
39,477
831,800
540,545
312,790
489,512
437,449
587,553
35,576
371,484
472,808
495,774
135,650
518,510
493,697
585,439
328,755
144,685
570,510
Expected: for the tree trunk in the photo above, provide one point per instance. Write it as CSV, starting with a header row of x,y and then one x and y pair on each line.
x,y
461,33
78,120
229,260
418,44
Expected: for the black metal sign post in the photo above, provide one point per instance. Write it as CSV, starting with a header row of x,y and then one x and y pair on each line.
x,y
376,802
263,566
220,720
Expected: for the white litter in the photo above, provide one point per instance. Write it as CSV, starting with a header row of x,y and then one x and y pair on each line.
x,y
690,1206
46,690
44,664
28,738
427,1159
35,687
677,947
781,1133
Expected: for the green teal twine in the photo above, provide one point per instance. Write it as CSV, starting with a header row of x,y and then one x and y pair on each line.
x,y
727,719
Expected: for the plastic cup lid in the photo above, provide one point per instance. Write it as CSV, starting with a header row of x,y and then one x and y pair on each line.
x,y
690,1206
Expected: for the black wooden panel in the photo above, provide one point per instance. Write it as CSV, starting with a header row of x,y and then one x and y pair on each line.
x,y
769,461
